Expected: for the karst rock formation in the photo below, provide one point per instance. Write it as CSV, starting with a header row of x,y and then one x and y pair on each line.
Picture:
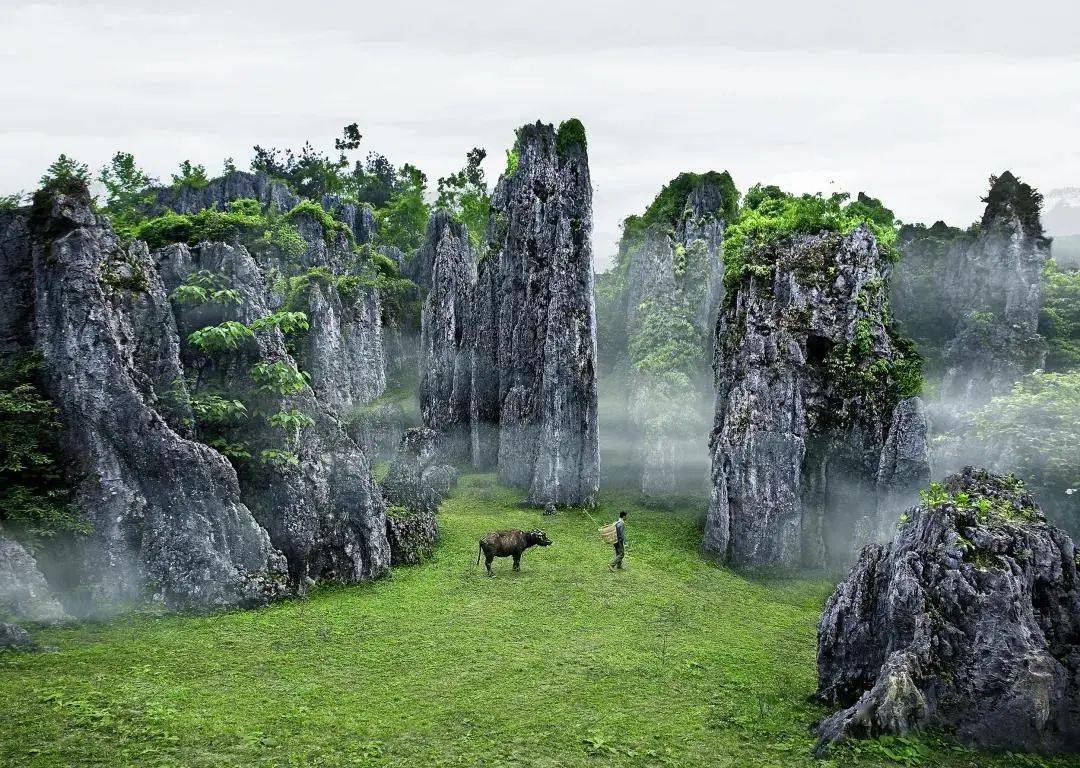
x,y
968,621
972,298
516,344
815,447
669,270
186,509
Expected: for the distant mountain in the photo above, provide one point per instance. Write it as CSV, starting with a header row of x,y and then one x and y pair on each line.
x,y
1061,212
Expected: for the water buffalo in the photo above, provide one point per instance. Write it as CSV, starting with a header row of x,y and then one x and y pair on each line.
x,y
509,544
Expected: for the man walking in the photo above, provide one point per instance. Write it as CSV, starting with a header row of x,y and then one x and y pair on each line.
x,y
620,541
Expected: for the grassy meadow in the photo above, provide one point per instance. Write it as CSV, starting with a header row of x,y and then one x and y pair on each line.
x,y
672,662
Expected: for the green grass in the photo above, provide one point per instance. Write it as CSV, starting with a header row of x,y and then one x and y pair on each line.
x,y
672,662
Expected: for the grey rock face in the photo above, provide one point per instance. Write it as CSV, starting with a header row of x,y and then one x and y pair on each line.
x,y
446,360
972,298
16,267
545,321
237,185
969,620
166,512
805,440
483,338
343,351
996,280
324,511
413,488
24,593
904,466
15,638
509,355
650,273
343,348
360,219
674,269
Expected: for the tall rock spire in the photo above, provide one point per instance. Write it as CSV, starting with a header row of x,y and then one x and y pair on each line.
x,y
814,447
446,360
530,337
544,318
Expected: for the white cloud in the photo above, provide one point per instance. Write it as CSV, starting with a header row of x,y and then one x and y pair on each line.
x,y
917,107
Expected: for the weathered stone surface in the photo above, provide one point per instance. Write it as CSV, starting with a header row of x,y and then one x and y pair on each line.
x,y
221,191
15,638
359,218
483,339
16,267
904,466
445,357
674,270
323,511
166,512
413,488
24,593
545,319
968,621
343,348
412,534
801,427
972,298
509,346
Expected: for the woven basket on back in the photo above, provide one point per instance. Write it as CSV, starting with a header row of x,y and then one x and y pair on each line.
x,y
608,533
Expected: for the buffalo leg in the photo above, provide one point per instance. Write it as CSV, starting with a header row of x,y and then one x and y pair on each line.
x,y
487,563
517,562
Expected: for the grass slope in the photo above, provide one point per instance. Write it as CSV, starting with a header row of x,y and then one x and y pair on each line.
x,y
672,662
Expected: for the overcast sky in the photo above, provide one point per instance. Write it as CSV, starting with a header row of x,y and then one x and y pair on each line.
x,y
916,104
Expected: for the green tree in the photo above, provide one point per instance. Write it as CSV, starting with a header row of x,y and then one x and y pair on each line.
x,y
127,190
1059,321
465,195
190,175
403,220
35,501
65,174
310,172
1035,429
12,201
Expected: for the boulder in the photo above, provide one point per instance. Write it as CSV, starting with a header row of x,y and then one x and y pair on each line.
x,y
968,621
15,638
413,489
24,593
